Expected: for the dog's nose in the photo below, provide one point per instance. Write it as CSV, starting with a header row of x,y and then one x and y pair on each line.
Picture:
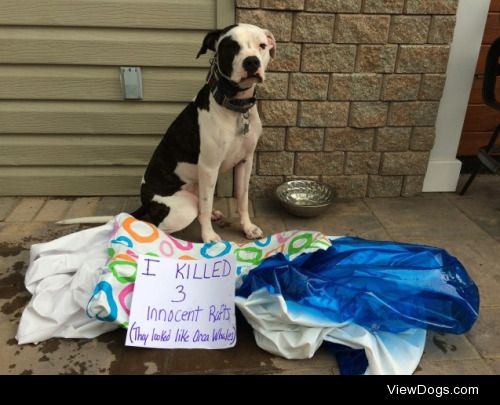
x,y
251,64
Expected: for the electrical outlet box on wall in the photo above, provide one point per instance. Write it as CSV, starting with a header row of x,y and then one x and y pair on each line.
x,y
131,80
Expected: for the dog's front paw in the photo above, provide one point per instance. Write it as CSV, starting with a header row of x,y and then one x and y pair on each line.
x,y
216,215
210,236
253,231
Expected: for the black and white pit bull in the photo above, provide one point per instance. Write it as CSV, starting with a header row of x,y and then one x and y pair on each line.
x,y
216,132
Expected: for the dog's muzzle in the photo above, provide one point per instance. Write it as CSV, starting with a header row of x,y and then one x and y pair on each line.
x,y
224,89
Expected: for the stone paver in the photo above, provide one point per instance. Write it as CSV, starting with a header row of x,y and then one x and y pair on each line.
x,y
453,368
26,209
191,233
13,295
267,207
441,346
53,210
54,356
344,217
21,235
481,203
354,219
233,208
230,230
222,205
110,205
484,335
323,362
484,211
83,207
424,217
494,365
270,225
484,187
132,204
7,204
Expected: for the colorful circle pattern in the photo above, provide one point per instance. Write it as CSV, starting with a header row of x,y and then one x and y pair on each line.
x,y
132,238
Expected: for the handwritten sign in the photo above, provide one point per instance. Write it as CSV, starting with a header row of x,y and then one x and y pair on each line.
x,y
183,304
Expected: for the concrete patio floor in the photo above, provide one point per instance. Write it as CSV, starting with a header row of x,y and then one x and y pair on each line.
x,y
468,227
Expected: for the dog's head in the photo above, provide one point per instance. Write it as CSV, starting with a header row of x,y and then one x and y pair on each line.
x,y
243,52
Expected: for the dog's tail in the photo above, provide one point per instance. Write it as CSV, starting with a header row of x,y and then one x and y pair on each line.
x,y
138,213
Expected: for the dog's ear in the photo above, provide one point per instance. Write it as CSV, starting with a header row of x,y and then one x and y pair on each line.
x,y
209,42
271,42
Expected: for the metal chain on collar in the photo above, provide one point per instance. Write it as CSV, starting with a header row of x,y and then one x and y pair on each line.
x,y
246,123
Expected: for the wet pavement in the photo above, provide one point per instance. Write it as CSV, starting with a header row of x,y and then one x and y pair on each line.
x,y
468,227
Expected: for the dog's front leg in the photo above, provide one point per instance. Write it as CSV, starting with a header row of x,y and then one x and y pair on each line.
x,y
242,179
207,177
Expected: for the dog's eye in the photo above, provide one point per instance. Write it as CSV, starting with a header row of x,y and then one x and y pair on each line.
x,y
263,46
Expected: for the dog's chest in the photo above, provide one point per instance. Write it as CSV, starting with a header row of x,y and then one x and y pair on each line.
x,y
238,145
222,143
227,137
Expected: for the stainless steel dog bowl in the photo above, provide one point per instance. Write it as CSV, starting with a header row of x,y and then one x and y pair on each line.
x,y
304,198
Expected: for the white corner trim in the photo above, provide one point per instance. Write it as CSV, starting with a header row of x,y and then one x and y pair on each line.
x,y
444,168
442,176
